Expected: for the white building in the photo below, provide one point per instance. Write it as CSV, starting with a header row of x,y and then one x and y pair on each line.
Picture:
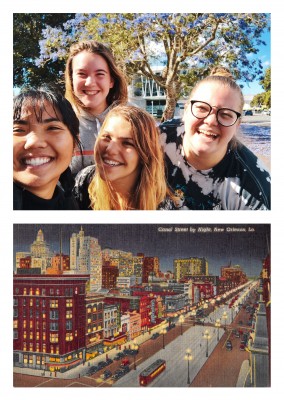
x,y
86,258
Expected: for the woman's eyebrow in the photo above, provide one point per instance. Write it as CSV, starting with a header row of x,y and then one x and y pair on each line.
x,y
20,121
44,121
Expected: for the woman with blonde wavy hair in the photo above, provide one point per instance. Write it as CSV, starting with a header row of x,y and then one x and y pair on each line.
x,y
129,168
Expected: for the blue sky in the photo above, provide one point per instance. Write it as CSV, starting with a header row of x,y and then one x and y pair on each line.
x,y
265,56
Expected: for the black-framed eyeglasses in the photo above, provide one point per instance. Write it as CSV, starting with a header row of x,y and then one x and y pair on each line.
x,y
225,116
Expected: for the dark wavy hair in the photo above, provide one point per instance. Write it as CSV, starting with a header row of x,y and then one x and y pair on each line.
x,y
36,99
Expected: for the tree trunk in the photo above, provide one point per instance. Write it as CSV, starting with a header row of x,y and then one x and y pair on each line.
x,y
171,100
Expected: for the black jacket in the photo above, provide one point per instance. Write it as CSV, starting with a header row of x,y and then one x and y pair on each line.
x,y
25,200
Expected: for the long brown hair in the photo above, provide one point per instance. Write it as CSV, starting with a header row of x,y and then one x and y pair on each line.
x,y
151,188
118,93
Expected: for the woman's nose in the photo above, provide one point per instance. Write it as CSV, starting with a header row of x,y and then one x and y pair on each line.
x,y
212,118
35,139
89,81
112,146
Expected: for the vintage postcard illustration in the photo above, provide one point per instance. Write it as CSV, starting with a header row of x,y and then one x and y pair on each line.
x,y
135,305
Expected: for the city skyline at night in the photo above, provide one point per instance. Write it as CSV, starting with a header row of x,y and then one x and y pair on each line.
x,y
243,244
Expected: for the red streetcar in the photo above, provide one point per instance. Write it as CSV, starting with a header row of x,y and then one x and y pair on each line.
x,y
151,372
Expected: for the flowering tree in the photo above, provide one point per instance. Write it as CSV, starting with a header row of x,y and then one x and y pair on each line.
x,y
188,45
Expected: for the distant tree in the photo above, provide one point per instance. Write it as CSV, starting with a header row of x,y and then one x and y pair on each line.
x,y
264,99
27,32
188,45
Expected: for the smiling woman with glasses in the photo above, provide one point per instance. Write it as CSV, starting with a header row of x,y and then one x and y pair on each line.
x,y
206,164
225,116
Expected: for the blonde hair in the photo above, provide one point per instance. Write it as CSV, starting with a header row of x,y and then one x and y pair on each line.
x,y
151,187
221,75
118,93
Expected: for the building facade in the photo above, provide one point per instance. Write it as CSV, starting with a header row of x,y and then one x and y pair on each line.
x,y
49,317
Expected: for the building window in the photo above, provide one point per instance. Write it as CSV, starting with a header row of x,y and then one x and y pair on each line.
x,y
53,303
69,314
53,314
54,338
69,325
69,337
53,326
15,302
15,334
69,302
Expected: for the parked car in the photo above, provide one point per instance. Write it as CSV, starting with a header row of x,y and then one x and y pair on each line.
x,y
117,375
106,374
242,346
118,356
92,370
229,345
102,364
155,335
125,362
133,352
125,369
109,361
248,112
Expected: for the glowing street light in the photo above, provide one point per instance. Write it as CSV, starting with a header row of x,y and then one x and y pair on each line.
x,y
134,347
206,336
224,317
163,332
188,357
181,321
218,324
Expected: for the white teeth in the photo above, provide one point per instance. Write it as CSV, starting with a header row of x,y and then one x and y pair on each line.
x,y
112,163
37,161
208,133
88,92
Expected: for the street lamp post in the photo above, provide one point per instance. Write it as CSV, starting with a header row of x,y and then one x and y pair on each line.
x,y
163,332
181,320
134,347
188,357
225,316
206,336
218,324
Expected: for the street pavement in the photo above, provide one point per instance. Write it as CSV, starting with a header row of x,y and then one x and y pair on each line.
x,y
221,368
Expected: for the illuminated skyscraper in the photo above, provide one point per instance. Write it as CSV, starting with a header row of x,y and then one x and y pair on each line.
x,y
86,258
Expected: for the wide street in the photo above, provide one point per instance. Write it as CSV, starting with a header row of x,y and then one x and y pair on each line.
x,y
220,369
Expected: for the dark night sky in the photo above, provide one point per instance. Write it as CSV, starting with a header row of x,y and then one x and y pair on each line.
x,y
246,249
